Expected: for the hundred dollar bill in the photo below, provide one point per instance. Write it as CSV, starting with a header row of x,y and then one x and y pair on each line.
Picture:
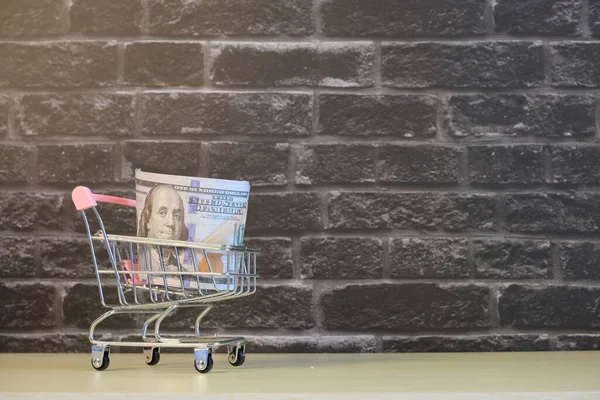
x,y
190,209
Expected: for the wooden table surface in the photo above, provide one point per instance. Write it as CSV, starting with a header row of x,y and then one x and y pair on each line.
x,y
568,375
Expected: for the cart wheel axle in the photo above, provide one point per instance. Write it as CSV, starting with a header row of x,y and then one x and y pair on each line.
x,y
152,355
237,354
203,367
203,361
100,358
241,357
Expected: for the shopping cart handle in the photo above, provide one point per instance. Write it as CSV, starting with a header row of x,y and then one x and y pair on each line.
x,y
83,198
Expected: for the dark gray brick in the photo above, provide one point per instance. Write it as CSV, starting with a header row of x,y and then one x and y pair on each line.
x,y
164,64
461,65
568,307
346,65
575,165
553,212
81,306
27,306
284,212
14,163
274,307
285,64
227,113
463,344
419,164
31,210
377,115
578,342
69,258
403,19
117,219
406,307
346,344
575,64
281,344
81,114
109,17
594,6
89,163
239,161
423,211
165,157
341,258
17,257
506,164
429,258
268,64
553,17
230,17
335,163
4,101
275,258
579,260
46,343
64,64
552,115
22,18
512,259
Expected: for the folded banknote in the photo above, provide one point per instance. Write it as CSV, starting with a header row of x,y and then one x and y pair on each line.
x,y
190,209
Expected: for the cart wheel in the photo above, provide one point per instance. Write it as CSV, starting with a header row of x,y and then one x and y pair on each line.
x,y
204,368
101,363
152,355
240,358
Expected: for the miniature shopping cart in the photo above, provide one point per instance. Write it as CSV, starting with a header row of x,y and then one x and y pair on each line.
x,y
137,279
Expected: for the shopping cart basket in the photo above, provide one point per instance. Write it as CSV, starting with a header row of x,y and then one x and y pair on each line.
x,y
139,279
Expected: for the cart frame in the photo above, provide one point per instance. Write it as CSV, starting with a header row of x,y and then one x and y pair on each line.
x,y
141,284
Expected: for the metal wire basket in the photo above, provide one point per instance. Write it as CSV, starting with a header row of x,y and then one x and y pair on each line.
x,y
147,276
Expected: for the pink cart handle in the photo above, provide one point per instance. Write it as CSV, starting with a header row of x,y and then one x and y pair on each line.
x,y
83,198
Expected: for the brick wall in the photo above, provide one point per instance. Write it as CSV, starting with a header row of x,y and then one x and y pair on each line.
x,y
425,173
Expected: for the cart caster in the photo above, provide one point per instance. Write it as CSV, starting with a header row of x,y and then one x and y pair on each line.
x,y
237,355
100,357
203,360
152,355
